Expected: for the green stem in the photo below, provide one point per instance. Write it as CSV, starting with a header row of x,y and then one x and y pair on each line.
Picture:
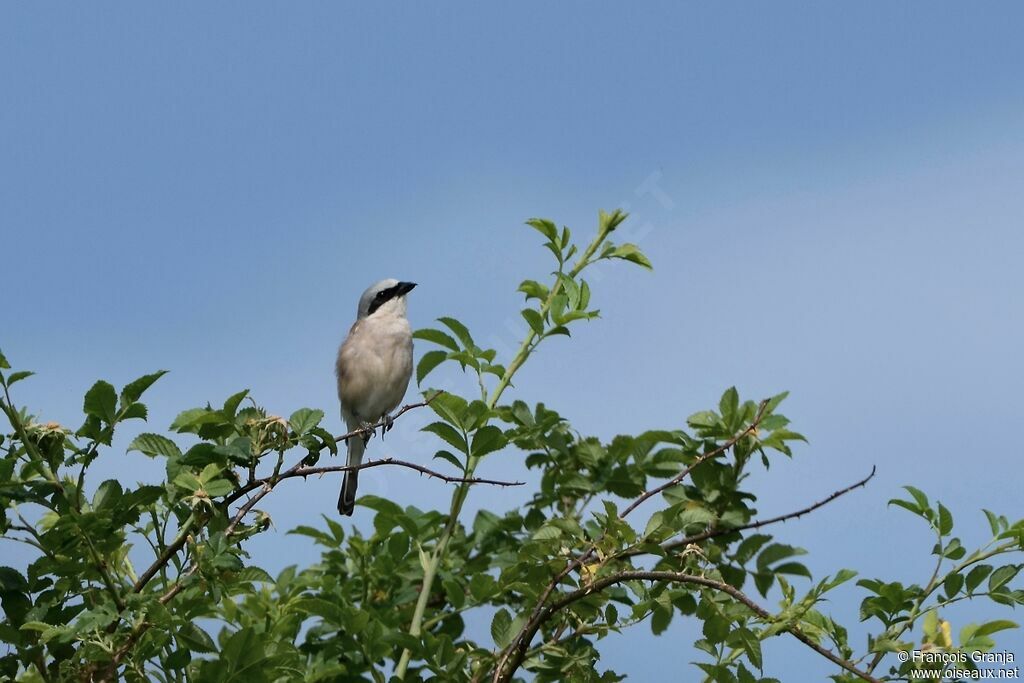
x,y
459,497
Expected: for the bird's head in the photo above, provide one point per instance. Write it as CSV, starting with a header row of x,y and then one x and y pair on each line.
x,y
387,297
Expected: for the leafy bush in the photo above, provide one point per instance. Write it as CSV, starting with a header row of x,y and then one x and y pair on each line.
x,y
643,528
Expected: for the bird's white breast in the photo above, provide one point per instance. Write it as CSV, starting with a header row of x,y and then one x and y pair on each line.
x,y
374,367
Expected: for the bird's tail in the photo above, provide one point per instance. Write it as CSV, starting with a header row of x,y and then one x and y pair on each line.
x,y
347,499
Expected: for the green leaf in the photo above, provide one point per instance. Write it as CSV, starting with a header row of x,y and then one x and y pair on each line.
x,y
534,320
945,520
747,640
460,331
544,227
454,592
108,493
4,365
450,457
1001,577
729,403
133,390
994,627
429,361
487,440
18,376
188,481
304,419
976,576
993,522
547,533
218,487
134,411
533,290
607,222
437,337
154,445
922,500
776,552
631,253
232,403
952,584
704,419
101,401
501,628
451,408
448,434
194,638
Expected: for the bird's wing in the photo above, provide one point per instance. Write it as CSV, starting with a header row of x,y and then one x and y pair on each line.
x,y
354,383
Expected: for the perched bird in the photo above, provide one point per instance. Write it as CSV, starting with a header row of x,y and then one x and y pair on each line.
x,y
373,368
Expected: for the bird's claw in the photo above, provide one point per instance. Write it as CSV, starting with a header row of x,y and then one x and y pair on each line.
x,y
368,431
389,423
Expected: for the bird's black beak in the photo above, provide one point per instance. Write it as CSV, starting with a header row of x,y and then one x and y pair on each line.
x,y
404,288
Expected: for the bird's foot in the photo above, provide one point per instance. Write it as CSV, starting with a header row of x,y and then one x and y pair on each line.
x,y
367,432
389,423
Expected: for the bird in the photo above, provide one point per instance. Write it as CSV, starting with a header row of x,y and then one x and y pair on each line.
x,y
373,370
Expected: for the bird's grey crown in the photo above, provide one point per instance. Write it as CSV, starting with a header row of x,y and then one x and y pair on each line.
x,y
380,293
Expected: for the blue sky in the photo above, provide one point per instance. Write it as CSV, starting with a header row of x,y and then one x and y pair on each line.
x,y
830,193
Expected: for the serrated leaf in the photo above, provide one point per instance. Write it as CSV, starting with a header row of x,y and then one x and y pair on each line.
x,y
107,494
18,376
450,457
218,487
1001,577
952,584
607,222
448,434
487,440
436,337
534,320
631,253
232,403
153,445
976,576
544,227
705,418
429,361
133,390
775,552
919,496
188,481
547,533
533,289
501,627
945,520
305,419
729,403
101,401
195,638
460,331
991,627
